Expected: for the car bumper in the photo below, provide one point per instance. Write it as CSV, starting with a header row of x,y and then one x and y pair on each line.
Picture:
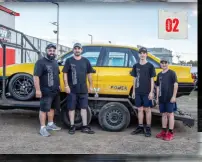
x,y
185,88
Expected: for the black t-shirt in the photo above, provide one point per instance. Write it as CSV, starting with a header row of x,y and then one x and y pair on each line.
x,y
48,72
143,75
77,71
165,82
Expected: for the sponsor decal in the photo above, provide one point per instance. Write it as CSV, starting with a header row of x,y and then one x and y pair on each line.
x,y
120,88
5,34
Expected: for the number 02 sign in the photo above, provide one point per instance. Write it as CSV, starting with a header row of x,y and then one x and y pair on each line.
x,y
173,25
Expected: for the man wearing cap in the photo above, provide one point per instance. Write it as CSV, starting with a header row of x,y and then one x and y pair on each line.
x,y
167,87
143,87
76,70
47,85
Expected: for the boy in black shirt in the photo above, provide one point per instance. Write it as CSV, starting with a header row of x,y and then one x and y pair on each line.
x,y
143,88
47,85
167,87
76,69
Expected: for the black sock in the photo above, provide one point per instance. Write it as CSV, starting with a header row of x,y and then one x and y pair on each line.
x,y
148,125
164,129
141,125
171,131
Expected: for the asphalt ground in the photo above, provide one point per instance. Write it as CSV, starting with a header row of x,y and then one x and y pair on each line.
x,y
19,135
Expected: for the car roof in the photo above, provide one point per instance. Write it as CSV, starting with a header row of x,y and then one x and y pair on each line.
x,y
113,45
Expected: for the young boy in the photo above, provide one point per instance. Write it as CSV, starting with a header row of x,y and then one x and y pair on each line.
x,y
167,87
143,87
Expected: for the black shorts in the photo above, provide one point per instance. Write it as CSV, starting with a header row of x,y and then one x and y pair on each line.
x,y
50,102
77,101
142,101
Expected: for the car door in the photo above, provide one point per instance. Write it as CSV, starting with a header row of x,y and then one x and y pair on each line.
x,y
114,71
92,53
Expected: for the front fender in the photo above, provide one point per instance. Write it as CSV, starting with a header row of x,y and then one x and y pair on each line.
x,y
18,68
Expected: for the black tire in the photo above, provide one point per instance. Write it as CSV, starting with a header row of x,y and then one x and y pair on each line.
x,y
25,83
78,120
120,113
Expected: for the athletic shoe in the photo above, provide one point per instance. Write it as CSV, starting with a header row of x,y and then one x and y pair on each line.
x,y
87,129
44,132
72,129
161,135
138,130
53,127
169,136
147,132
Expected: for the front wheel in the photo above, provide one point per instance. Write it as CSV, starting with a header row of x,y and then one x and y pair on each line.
x,y
114,116
21,87
77,120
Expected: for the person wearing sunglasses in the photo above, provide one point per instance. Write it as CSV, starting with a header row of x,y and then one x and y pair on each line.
x,y
47,85
167,87
143,88
76,70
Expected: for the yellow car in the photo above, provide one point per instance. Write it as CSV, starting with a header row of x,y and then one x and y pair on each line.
x,y
112,65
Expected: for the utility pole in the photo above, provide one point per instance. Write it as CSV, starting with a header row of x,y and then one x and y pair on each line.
x,y
57,24
91,38
178,58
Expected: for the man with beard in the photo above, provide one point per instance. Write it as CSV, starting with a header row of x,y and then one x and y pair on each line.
x,y
76,69
47,85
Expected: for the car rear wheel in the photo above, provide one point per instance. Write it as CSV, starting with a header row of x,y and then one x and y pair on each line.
x,y
21,87
114,116
78,120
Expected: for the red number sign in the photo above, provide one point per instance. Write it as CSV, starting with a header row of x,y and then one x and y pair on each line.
x,y
171,25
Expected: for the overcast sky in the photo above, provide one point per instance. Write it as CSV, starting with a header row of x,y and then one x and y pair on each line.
x,y
126,24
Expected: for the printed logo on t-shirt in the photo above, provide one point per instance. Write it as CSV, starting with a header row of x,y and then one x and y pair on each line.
x,y
137,83
74,78
160,84
50,75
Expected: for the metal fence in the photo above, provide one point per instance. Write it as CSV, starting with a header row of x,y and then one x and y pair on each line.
x,y
24,53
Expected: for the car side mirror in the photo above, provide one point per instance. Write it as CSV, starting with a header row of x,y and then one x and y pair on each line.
x,y
60,62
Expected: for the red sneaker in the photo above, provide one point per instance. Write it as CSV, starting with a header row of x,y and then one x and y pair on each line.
x,y
161,135
169,136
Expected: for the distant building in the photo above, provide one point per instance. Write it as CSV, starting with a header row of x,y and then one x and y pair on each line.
x,y
160,53
25,54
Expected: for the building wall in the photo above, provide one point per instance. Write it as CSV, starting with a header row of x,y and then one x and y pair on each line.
x,y
160,53
15,38
7,19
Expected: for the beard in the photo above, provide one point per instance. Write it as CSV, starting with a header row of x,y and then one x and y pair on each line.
x,y
77,54
51,56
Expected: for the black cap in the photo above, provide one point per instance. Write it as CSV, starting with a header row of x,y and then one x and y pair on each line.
x,y
142,49
77,45
50,46
164,60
